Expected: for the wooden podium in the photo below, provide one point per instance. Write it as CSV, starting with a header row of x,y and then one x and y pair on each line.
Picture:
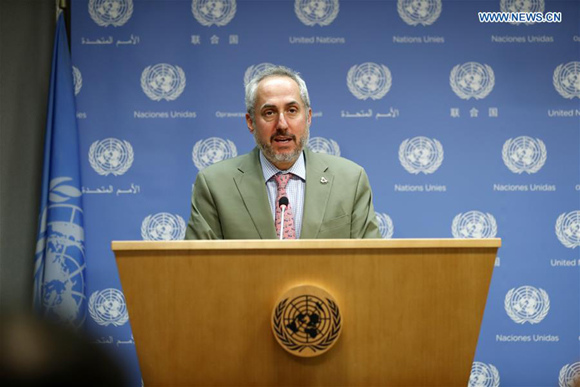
x,y
411,309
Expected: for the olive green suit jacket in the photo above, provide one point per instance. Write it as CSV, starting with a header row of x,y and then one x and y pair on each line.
x,y
230,200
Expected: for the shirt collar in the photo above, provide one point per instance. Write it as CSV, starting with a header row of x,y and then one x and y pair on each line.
x,y
269,169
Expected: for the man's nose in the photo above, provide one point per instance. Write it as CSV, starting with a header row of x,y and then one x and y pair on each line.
x,y
282,124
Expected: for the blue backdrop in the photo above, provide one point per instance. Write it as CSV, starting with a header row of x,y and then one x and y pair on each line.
x,y
465,129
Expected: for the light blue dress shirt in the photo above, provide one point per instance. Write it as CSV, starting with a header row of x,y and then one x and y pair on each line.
x,y
294,189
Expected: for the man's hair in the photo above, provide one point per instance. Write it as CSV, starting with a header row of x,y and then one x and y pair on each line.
x,y
276,71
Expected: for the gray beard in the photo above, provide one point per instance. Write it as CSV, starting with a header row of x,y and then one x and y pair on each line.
x,y
275,158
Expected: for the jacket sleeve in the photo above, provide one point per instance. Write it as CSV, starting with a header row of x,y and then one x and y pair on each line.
x,y
364,219
204,220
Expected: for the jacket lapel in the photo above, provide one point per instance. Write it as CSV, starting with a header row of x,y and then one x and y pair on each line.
x,y
318,186
252,188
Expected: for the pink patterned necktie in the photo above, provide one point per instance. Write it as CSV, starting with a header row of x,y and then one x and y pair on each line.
x,y
289,230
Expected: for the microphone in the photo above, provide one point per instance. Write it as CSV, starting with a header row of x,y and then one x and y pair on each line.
x,y
283,203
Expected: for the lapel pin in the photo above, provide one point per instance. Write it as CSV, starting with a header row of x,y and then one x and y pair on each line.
x,y
323,180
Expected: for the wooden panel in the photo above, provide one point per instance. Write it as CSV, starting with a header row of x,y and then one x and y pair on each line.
x,y
411,316
305,244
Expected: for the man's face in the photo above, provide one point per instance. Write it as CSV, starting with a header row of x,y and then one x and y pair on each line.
x,y
282,122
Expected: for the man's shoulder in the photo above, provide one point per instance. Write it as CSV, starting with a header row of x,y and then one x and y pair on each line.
x,y
337,162
228,166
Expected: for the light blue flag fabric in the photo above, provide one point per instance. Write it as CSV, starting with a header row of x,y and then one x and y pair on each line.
x,y
59,277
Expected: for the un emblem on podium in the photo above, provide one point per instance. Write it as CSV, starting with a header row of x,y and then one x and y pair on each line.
x,y
306,321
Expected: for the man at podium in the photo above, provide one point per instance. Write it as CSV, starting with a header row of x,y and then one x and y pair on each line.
x,y
281,189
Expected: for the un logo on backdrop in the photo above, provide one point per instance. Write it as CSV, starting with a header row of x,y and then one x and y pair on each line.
x,y
369,80
111,156
110,12
569,375
567,80
312,12
163,227
210,151
386,227
474,224
524,154
472,80
163,81
527,304
63,242
210,12
108,307
77,80
568,229
255,70
323,145
421,155
521,6
415,12
483,375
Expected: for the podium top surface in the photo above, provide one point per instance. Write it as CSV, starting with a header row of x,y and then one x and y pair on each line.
x,y
306,244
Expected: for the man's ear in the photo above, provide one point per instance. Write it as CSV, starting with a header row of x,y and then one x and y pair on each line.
x,y
249,123
309,116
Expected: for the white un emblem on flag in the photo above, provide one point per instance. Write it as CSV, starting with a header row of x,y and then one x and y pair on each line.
x,y
108,307
62,241
527,304
483,375
568,229
110,12
213,12
524,154
421,155
313,12
323,145
111,156
474,224
566,80
163,81
210,151
163,227
472,80
369,80
415,12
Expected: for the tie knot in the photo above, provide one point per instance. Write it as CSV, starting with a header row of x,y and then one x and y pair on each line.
x,y
282,179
